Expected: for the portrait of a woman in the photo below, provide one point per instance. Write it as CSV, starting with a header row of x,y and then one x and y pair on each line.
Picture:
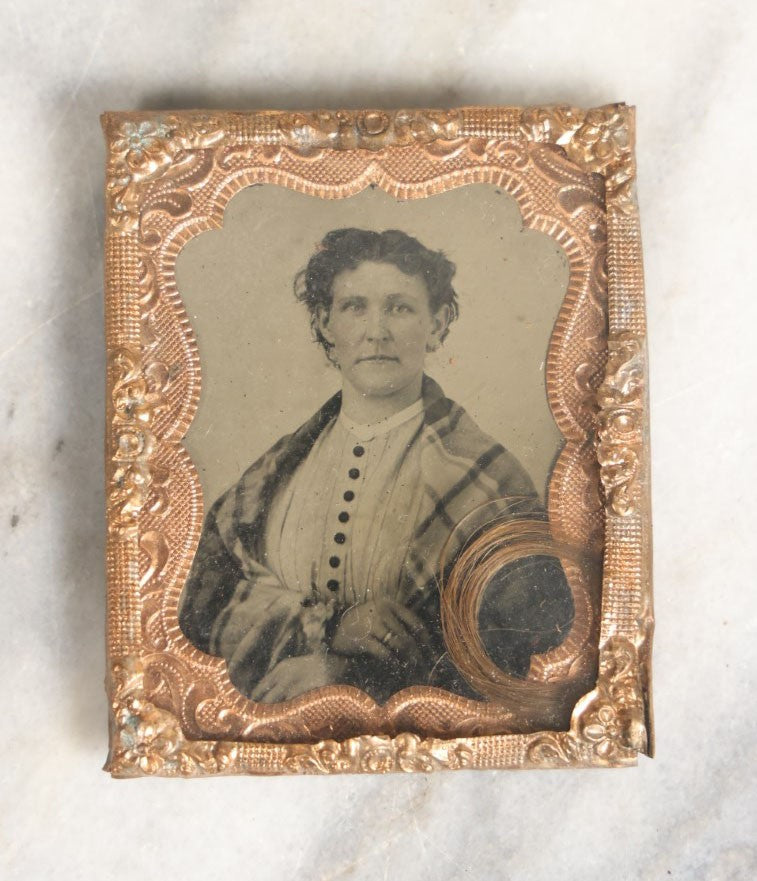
x,y
322,564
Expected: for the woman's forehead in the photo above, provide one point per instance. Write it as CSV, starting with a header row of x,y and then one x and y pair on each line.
x,y
377,278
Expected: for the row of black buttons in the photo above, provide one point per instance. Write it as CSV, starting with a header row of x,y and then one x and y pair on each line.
x,y
340,538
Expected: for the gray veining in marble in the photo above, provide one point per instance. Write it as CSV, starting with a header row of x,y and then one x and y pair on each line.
x,y
690,67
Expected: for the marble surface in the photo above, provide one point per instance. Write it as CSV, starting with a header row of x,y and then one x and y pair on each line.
x,y
690,67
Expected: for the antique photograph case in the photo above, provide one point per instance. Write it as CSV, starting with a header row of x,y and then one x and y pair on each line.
x,y
377,441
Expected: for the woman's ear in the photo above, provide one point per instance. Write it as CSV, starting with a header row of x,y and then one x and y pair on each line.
x,y
440,323
322,317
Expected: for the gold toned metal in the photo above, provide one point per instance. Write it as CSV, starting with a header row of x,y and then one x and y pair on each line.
x,y
170,176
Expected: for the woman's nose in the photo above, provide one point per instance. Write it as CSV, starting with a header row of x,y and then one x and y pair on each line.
x,y
377,327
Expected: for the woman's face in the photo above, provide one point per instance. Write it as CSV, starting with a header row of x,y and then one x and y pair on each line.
x,y
380,325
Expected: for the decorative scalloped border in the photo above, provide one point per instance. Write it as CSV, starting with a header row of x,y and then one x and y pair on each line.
x,y
612,723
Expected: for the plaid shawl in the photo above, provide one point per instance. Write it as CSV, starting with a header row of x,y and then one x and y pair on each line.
x,y
235,607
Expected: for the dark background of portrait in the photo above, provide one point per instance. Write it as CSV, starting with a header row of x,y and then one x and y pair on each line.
x,y
262,375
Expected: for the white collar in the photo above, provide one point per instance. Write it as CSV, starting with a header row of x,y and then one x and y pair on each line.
x,y
369,432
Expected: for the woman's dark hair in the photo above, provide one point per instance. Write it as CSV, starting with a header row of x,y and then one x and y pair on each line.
x,y
346,248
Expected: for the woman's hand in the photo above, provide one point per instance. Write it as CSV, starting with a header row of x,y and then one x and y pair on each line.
x,y
384,630
294,676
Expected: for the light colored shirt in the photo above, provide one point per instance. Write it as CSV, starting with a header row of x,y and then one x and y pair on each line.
x,y
343,525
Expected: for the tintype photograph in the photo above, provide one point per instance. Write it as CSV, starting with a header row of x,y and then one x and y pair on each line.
x,y
377,369
377,472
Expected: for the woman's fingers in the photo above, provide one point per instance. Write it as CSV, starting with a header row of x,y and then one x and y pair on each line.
x,y
274,686
384,630
397,637
413,623
261,690
294,676
413,635
375,647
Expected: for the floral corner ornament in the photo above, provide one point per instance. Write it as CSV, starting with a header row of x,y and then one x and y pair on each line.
x,y
149,740
599,141
142,151
608,725
141,142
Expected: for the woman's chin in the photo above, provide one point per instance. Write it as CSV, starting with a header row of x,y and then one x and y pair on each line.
x,y
380,378
383,385
377,391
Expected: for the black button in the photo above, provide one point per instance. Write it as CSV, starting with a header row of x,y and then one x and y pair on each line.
x,y
358,450
332,584
343,517
340,538
349,496
354,473
334,562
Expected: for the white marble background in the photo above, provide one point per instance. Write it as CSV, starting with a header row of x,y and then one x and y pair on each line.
x,y
690,68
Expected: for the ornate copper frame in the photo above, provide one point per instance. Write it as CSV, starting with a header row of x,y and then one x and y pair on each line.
x,y
169,177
